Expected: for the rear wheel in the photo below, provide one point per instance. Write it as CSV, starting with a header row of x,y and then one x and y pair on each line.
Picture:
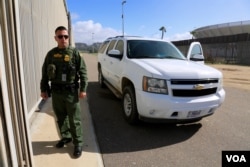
x,y
100,78
129,105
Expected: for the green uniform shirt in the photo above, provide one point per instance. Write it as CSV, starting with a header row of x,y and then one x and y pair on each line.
x,y
64,66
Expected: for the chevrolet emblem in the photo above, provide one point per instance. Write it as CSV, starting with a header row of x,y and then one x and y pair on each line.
x,y
198,87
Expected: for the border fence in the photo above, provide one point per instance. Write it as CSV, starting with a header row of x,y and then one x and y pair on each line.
x,y
26,35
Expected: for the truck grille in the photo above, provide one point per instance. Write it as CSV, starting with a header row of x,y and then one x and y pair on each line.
x,y
189,88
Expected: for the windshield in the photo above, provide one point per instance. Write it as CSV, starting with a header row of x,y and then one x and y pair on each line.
x,y
141,49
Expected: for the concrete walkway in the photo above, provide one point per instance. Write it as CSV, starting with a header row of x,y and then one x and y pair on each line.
x,y
45,136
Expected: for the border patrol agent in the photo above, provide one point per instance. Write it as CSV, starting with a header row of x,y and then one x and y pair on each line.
x,y
63,68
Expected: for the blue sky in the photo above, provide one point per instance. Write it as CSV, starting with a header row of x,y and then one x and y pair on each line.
x,y
96,20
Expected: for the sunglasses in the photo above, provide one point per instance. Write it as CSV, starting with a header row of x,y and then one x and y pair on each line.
x,y
61,36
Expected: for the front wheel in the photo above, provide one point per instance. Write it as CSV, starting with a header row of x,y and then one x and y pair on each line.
x,y
129,105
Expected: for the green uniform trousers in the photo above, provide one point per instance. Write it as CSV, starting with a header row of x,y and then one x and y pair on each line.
x,y
67,110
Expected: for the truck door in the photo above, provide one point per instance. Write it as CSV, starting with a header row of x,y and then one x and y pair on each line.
x,y
116,66
107,62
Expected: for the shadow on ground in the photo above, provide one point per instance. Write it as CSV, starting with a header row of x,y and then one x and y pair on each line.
x,y
115,135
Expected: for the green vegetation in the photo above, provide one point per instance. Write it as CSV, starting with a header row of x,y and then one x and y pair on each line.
x,y
88,48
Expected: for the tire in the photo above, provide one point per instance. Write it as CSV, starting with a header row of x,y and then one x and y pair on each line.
x,y
101,78
129,105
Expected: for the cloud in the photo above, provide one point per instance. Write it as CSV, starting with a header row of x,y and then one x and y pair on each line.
x,y
90,32
174,37
179,37
74,16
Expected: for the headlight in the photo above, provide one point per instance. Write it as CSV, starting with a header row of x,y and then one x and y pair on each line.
x,y
220,84
155,85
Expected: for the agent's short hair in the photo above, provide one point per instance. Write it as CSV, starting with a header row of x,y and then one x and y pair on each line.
x,y
60,28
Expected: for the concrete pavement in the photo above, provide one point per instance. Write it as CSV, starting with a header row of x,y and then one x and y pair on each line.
x,y
45,135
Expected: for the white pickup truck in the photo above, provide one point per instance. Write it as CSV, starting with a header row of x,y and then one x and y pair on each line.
x,y
156,82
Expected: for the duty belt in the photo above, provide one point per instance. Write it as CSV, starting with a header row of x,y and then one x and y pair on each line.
x,y
64,87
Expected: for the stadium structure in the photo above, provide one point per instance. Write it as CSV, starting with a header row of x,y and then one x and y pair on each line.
x,y
222,43
225,29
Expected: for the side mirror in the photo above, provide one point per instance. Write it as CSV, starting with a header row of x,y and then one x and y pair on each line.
x,y
197,57
115,53
195,53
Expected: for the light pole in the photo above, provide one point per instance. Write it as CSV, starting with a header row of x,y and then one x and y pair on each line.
x,y
93,42
163,30
123,2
